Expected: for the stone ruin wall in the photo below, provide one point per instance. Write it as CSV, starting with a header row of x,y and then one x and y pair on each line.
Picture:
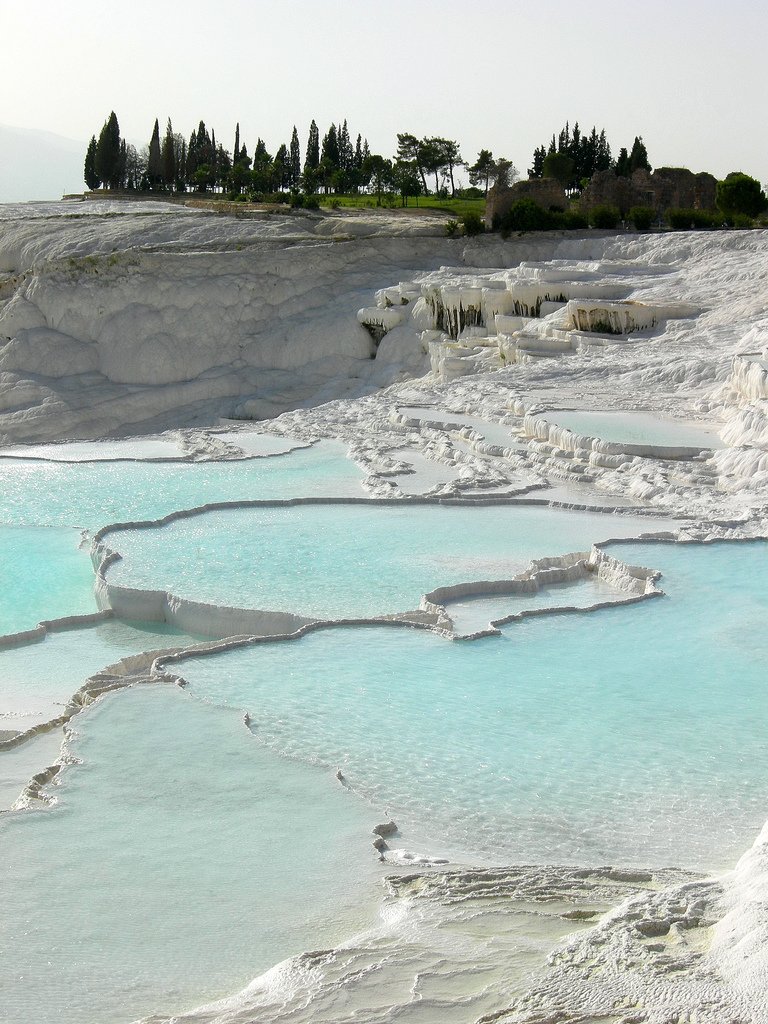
x,y
662,189
547,192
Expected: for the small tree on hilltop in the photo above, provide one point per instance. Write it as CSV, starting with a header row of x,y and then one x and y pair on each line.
x,y
504,173
740,194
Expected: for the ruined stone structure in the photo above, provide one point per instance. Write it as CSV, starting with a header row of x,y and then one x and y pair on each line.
x,y
666,187
547,192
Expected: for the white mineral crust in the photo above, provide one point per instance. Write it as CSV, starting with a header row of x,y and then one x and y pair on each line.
x,y
118,325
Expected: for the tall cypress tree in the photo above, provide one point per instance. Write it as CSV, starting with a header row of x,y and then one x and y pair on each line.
x,y
92,179
294,159
281,169
169,156
330,154
155,159
107,160
236,150
346,153
313,148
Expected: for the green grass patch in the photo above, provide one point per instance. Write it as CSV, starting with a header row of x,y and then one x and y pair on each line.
x,y
456,207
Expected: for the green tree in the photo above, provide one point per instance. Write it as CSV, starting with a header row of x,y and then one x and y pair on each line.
x,y
622,164
450,157
280,169
559,166
155,158
504,172
107,158
638,157
294,160
738,194
312,158
536,169
379,173
405,178
168,156
482,169
92,179
410,149
330,152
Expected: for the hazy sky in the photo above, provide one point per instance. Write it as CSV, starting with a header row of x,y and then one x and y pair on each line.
x,y
690,77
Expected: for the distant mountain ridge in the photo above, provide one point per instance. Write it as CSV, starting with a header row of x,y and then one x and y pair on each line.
x,y
37,164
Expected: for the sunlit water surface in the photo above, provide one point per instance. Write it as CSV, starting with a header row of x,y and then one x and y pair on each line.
x,y
189,852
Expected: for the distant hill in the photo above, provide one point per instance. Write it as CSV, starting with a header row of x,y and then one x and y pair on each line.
x,y
38,165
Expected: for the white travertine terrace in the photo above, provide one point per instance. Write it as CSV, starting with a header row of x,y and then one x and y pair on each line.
x,y
111,327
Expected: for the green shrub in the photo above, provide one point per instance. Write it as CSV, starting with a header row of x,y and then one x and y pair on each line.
x,y
296,200
525,215
469,193
741,220
642,217
311,202
573,220
682,219
473,223
604,217
451,228
738,194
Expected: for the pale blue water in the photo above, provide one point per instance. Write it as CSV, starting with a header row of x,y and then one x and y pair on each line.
x,y
43,568
185,855
182,859
38,680
93,495
634,734
44,574
635,428
334,561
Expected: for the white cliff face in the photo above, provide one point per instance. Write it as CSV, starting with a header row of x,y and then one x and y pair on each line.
x,y
137,321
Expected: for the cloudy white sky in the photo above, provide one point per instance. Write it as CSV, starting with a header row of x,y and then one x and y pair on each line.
x,y
690,77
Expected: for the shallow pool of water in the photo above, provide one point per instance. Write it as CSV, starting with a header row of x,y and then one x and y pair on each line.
x,y
44,574
37,680
336,561
635,428
182,859
629,735
95,494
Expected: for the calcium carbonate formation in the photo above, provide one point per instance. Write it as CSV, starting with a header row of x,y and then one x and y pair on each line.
x,y
454,384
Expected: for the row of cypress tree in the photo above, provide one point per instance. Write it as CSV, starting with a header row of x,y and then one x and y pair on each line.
x,y
173,163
